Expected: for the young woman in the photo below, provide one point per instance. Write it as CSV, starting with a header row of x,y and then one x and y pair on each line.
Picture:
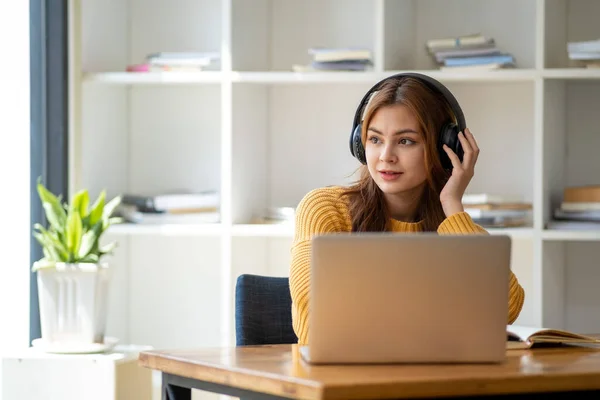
x,y
404,186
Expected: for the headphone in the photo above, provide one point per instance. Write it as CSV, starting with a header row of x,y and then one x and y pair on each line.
x,y
449,131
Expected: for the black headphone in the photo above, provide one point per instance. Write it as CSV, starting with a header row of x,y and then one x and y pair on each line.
x,y
448,135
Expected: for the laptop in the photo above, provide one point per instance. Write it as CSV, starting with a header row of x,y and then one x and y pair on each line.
x,y
408,298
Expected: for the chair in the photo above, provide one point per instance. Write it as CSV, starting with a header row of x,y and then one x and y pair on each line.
x,y
263,311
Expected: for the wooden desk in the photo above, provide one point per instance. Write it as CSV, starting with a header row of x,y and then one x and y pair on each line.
x,y
270,372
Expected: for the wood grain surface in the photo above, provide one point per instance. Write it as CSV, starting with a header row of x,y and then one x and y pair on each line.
x,y
280,370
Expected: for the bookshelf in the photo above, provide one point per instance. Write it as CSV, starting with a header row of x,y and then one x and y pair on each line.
x,y
263,136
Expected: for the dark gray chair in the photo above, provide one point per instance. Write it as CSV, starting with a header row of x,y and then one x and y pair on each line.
x,y
263,311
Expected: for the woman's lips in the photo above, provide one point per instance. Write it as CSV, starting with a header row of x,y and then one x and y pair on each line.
x,y
389,175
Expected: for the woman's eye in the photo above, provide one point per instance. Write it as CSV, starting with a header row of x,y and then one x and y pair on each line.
x,y
406,142
373,139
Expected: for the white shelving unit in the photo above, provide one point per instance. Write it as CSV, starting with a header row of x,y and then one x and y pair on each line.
x,y
264,136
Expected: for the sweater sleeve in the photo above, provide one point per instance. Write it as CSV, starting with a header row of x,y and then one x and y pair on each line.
x,y
317,213
461,223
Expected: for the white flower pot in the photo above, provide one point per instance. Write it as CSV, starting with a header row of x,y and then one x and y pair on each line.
x,y
73,301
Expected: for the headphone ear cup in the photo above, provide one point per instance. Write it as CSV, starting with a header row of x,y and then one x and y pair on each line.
x,y
449,137
358,149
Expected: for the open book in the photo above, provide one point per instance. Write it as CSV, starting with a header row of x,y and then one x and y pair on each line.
x,y
522,337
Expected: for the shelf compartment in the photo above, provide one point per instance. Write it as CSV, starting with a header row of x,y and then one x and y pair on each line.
x,y
505,165
571,138
172,292
276,35
409,24
175,139
568,21
569,285
275,162
149,140
119,33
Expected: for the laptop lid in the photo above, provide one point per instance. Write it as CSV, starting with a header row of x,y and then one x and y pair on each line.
x,y
388,297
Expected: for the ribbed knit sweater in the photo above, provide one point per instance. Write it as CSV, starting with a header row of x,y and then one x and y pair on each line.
x,y
324,211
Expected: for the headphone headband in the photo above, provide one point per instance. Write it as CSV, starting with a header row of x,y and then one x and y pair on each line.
x,y
429,81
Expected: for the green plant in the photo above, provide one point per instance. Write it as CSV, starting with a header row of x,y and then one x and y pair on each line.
x,y
74,230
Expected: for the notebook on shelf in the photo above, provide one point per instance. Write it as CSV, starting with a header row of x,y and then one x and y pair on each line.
x,y
523,337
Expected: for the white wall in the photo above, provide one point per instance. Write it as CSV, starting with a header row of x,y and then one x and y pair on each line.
x,y
14,175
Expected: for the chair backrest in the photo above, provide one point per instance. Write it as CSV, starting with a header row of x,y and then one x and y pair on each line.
x,y
263,311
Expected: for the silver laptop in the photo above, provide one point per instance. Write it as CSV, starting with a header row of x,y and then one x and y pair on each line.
x,y
408,298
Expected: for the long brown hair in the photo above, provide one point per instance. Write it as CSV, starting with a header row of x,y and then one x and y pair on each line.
x,y
367,205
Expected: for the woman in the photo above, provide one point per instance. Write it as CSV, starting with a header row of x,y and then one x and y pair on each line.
x,y
403,186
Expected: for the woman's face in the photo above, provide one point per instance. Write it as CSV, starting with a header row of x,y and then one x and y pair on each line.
x,y
395,151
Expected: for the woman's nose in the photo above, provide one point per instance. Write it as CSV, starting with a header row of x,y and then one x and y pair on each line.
x,y
387,154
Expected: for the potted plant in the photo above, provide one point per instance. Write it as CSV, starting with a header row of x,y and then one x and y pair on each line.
x,y
72,276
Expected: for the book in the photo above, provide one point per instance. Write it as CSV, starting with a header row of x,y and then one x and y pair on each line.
x,y
502,206
165,58
582,215
174,200
582,194
358,65
146,67
459,42
523,337
131,214
492,213
489,198
322,54
570,225
475,68
440,56
502,59
586,46
580,206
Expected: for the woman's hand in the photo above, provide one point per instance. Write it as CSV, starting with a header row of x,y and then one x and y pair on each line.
x,y
452,194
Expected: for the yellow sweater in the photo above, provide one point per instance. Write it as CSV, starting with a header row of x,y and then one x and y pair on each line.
x,y
322,211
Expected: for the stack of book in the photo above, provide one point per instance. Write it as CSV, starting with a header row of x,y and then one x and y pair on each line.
x,y
177,61
276,215
586,53
170,208
580,209
496,211
469,52
337,59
